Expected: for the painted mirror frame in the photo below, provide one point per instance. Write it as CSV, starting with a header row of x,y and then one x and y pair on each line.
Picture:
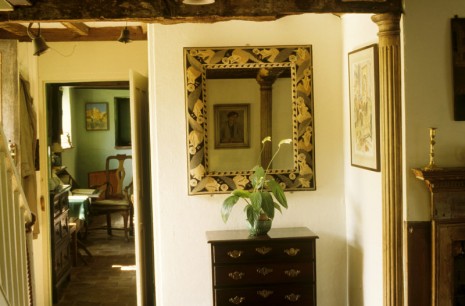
x,y
196,62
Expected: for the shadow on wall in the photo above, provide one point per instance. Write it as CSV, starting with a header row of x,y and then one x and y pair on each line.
x,y
355,270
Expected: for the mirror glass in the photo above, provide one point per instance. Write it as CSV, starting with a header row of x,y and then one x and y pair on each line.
x,y
237,96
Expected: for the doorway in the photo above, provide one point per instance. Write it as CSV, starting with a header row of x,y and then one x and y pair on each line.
x,y
83,150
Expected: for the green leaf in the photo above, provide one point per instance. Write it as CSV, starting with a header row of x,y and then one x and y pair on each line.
x,y
256,199
278,192
267,204
257,177
241,193
250,215
228,204
277,206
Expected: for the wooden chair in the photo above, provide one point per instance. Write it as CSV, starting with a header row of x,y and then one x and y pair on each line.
x,y
117,199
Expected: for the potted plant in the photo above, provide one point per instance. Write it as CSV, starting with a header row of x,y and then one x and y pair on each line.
x,y
262,200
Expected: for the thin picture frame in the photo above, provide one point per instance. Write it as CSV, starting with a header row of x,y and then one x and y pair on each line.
x,y
364,107
97,116
231,126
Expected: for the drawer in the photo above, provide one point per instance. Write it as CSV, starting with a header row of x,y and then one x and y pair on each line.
x,y
62,260
294,295
60,203
262,273
297,250
60,228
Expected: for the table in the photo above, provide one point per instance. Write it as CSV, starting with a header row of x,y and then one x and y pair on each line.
x,y
79,207
79,216
90,193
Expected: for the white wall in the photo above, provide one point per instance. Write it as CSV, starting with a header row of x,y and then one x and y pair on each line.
x,y
183,275
362,191
68,62
429,96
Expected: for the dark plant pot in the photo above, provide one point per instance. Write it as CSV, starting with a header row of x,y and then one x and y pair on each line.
x,y
260,227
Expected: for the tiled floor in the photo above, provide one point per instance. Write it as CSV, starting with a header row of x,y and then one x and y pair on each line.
x,y
109,278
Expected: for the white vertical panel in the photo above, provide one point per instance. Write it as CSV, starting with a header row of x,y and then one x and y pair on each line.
x,y
14,211
3,223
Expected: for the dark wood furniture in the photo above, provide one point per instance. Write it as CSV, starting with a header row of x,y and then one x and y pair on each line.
x,y
275,269
60,240
117,196
65,177
445,284
98,179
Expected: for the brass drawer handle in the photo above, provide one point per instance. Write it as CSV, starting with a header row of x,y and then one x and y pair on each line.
x,y
237,300
265,293
264,271
263,250
292,297
292,272
236,275
235,254
292,251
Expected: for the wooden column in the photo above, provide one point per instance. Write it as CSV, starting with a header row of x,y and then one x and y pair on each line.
x,y
391,155
266,80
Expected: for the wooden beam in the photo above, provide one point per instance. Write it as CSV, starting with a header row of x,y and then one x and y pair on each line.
x,y
14,28
20,2
95,34
77,27
174,11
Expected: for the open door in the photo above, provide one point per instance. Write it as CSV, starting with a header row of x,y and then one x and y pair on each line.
x,y
142,194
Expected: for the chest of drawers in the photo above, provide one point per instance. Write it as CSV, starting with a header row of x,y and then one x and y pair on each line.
x,y
276,269
60,241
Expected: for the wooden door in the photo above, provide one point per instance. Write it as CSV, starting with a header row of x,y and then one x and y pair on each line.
x,y
142,189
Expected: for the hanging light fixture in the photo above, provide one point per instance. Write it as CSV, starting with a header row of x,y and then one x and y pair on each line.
x,y
40,46
198,2
124,37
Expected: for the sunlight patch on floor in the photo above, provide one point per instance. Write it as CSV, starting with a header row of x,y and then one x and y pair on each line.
x,y
125,268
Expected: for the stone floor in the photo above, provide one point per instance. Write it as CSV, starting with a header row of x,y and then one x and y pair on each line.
x,y
108,278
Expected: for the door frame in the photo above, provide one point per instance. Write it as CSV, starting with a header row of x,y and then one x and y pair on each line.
x,y
44,177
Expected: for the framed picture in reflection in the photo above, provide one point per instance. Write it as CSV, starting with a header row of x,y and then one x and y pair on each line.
x,y
231,126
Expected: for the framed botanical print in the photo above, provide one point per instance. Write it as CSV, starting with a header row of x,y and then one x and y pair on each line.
x,y
97,116
364,108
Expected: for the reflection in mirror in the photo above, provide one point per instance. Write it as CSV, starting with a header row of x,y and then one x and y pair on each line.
x,y
237,96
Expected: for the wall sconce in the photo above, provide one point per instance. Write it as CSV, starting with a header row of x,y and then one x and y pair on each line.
x,y
198,2
124,37
56,147
40,46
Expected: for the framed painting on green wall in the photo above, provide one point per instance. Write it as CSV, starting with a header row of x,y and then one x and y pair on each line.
x,y
97,116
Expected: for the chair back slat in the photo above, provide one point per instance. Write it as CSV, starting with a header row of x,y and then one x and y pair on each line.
x,y
117,190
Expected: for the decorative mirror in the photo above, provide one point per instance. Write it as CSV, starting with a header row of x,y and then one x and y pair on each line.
x,y
264,91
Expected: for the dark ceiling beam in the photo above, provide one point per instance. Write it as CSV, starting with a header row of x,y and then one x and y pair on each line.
x,y
77,27
94,34
174,11
14,28
20,2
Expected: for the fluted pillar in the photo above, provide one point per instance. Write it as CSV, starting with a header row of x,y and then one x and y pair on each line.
x,y
391,154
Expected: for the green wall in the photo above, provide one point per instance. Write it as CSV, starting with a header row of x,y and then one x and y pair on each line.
x,y
91,148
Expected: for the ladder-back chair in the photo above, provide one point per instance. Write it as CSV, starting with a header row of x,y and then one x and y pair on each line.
x,y
117,198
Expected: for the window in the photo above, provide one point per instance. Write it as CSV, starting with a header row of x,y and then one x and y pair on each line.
x,y
122,123
66,140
